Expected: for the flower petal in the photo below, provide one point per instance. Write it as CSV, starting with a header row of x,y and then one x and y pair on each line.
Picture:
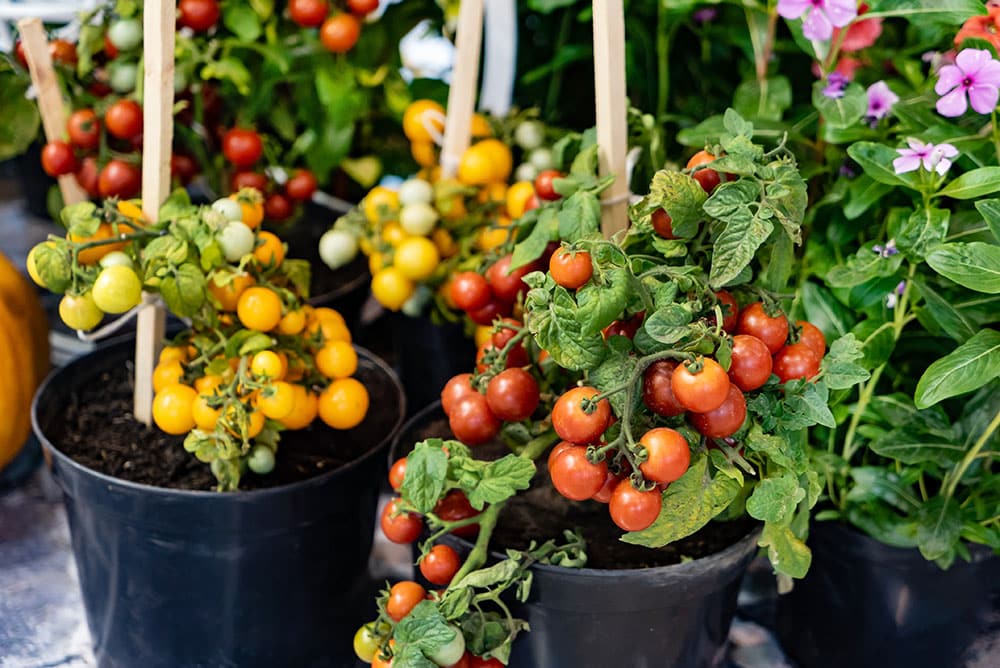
x,y
948,77
916,145
906,163
944,164
953,104
972,60
989,73
841,12
983,98
817,25
793,9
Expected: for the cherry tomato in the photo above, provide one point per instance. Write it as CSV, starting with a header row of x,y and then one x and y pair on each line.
x,y
404,528
469,291
557,450
663,224
707,178
254,180
472,421
702,391
455,506
183,168
403,597
751,362
58,158
397,474
123,119
543,185
574,476
634,510
575,425
199,15
725,420
110,50
277,207
730,310
505,283
479,662
796,360
362,7
512,395
119,179
517,355
755,321
88,176
366,643
84,129
308,13
812,337
626,328
63,52
242,147
456,388
490,312
340,33
668,455
301,186
603,495
657,393
440,565
571,269
19,51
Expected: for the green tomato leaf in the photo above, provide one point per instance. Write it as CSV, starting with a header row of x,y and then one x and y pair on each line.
x,y
786,552
602,300
424,628
426,473
680,196
774,499
553,322
967,368
500,572
231,70
974,265
788,454
737,243
242,20
533,246
184,290
579,216
610,374
501,480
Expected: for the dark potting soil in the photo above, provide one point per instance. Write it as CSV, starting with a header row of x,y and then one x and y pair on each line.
x,y
541,513
100,433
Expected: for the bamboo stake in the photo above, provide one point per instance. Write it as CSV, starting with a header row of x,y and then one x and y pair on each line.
x,y
50,102
612,123
157,138
462,94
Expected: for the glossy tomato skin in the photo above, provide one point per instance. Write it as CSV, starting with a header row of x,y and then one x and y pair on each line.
x,y
455,506
340,33
571,269
557,450
708,179
796,360
302,185
469,291
479,662
633,510
245,179
84,129
403,597
123,119
397,474
574,476
573,424
63,52
544,188
88,176
517,355
119,179
456,388
725,420
404,528
440,565
472,421
663,224
278,208
512,395
487,314
702,391
308,13
603,495
242,147
755,321
813,337
627,328
751,362
362,7
58,158
183,168
199,15
507,284
668,455
730,310
657,393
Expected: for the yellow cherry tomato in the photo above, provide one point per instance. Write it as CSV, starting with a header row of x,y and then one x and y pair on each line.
x,y
167,373
493,192
394,234
444,242
424,153
344,403
327,313
391,288
93,255
259,309
517,198
417,258
267,364
251,203
304,409
378,202
375,262
337,359
228,295
418,116
480,127
270,251
173,354
207,384
205,417
131,210
292,323
277,400
172,409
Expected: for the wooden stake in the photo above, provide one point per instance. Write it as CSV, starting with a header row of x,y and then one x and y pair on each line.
x,y
50,101
612,123
157,139
462,94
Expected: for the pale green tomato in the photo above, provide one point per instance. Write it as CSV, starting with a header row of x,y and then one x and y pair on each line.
x,y
418,219
229,208
116,259
117,289
414,306
525,172
337,248
452,652
416,191
236,241
125,34
122,76
80,311
261,460
529,135
541,158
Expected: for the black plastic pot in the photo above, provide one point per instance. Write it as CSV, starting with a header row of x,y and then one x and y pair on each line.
x,y
178,579
428,355
663,617
865,604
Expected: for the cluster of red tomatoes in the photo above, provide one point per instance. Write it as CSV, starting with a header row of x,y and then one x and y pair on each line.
x,y
243,149
487,297
338,32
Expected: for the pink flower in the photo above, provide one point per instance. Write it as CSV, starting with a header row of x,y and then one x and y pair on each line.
x,y
932,158
861,34
880,101
821,16
975,73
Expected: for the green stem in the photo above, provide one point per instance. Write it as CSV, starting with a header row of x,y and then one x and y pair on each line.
x,y
953,478
664,36
996,133
477,557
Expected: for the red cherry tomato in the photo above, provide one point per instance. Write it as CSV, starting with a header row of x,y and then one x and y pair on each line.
x,y
571,269
751,362
633,510
512,395
507,284
656,391
532,203
456,388
440,565
517,355
123,119
404,528
796,360
199,15
479,662
472,421
557,450
668,455
183,168
21,56
302,185
454,507
812,337
702,391
730,310
119,179
254,180
725,420
663,224
543,185
242,147
84,129
58,158
755,321
88,176
362,7
397,473
574,476
403,597
340,33
707,178
110,50
493,309
611,481
308,13
575,425
277,207
63,52
469,291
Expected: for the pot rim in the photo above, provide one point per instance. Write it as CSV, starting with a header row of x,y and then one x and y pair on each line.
x,y
355,283
249,495
681,568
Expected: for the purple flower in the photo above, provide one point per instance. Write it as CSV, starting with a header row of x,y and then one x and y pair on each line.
x,y
892,298
975,73
821,15
933,158
880,101
847,170
705,14
835,85
886,251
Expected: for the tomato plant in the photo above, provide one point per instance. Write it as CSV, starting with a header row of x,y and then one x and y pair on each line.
x,y
570,269
123,119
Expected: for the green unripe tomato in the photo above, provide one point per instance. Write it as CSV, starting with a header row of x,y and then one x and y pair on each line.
x,y
525,172
416,191
236,240
529,135
261,460
80,311
541,159
122,77
117,289
116,259
337,248
125,34
452,652
229,208
418,219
